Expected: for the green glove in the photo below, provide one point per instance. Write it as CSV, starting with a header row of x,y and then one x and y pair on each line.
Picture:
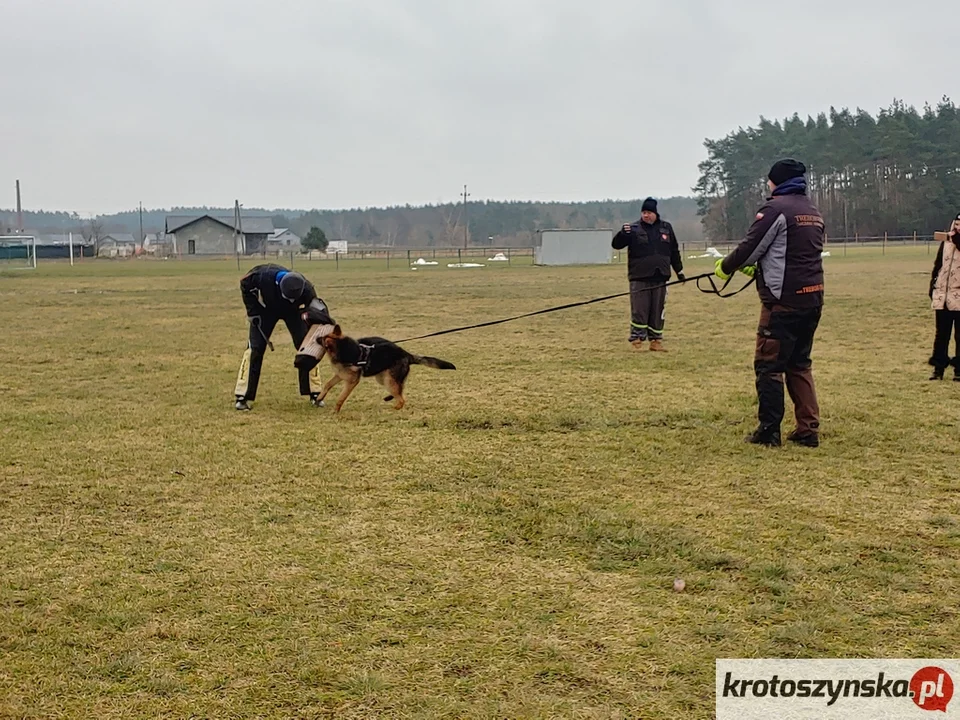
x,y
718,270
749,270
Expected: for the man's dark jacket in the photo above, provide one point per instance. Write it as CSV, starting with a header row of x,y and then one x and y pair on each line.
x,y
651,250
262,284
785,242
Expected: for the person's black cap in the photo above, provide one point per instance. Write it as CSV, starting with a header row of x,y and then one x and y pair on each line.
x,y
787,169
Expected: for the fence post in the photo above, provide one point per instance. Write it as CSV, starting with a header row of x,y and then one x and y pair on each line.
x,y
388,259
508,256
914,238
884,244
408,257
337,255
459,257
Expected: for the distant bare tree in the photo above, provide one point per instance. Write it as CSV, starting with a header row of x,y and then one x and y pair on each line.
x,y
343,228
451,226
93,233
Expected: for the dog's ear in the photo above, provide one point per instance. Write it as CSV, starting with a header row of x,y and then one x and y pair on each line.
x,y
337,331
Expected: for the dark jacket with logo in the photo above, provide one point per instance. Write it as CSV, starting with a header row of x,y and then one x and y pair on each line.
x,y
785,242
261,290
651,250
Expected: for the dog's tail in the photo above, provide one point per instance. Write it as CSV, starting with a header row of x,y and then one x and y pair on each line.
x,y
432,362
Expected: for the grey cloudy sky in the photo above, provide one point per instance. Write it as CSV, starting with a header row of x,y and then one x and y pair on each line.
x,y
346,103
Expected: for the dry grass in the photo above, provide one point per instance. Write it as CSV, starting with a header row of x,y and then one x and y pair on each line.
x,y
503,547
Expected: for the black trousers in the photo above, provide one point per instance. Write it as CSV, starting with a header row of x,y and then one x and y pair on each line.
x,y
784,345
258,346
947,321
647,308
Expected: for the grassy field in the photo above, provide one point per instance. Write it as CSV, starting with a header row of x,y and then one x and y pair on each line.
x,y
504,547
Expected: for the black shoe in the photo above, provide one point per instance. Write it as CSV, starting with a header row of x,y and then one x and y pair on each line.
x,y
767,438
956,378
316,401
242,404
937,375
807,439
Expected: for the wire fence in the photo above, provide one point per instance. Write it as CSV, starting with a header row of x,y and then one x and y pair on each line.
x,y
396,258
377,256
837,245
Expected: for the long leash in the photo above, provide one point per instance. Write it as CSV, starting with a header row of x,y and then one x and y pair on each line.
x,y
713,290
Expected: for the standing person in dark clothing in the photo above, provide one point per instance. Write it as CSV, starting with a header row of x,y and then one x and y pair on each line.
x,y
783,249
651,250
272,293
945,300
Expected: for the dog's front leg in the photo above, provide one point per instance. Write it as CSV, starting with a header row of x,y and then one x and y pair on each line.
x,y
351,383
331,384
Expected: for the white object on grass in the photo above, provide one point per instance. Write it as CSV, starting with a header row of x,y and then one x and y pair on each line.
x,y
460,265
421,261
711,252
499,257
825,254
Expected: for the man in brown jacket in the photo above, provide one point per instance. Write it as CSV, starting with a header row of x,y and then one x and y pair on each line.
x,y
783,248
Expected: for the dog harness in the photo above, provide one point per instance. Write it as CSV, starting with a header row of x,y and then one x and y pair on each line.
x,y
364,355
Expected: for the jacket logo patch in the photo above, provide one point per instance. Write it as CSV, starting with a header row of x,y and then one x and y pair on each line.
x,y
665,236
809,221
759,216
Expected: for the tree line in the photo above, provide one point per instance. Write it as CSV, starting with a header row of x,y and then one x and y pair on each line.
x,y
490,223
898,172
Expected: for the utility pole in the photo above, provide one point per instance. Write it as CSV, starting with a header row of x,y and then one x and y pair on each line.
x,y
465,231
237,230
19,211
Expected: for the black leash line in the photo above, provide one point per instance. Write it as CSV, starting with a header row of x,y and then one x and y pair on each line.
x,y
714,290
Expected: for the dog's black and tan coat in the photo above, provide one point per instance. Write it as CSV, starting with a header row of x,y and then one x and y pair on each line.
x,y
376,357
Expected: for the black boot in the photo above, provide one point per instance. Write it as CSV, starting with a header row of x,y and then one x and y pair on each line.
x,y
937,374
768,437
804,439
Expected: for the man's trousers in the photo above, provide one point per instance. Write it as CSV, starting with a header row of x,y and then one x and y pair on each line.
x,y
947,321
648,299
784,344
260,332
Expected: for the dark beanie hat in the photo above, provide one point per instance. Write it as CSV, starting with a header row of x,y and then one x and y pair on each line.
x,y
649,205
784,170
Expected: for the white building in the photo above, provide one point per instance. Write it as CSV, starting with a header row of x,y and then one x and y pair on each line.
x,y
283,239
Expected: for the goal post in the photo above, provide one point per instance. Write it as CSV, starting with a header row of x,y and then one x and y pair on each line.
x,y
18,252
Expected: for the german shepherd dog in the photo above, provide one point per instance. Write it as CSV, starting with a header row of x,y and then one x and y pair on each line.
x,y
375,357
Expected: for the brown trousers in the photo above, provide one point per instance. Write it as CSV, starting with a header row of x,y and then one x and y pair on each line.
x,y
784,344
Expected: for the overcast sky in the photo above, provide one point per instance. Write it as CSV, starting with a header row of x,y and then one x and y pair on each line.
x,y
347,103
